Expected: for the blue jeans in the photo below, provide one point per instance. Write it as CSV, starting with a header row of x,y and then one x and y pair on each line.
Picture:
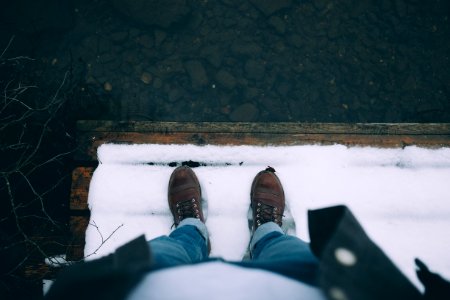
x,y
270,249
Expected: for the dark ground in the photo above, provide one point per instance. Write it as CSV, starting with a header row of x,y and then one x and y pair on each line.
x,y
327,61
205,60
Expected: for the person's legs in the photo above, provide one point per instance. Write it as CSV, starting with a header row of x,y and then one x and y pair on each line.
x,y
288,255
186,244
270,243
189,242
270,248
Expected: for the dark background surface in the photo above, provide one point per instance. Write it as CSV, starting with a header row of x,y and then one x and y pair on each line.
x,y
259,60
194,60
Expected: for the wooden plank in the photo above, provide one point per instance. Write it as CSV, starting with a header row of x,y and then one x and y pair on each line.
x,y
90,141
78,225
279,127
41,271
81,177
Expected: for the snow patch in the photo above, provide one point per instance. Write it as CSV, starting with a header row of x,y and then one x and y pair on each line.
x,y
401,196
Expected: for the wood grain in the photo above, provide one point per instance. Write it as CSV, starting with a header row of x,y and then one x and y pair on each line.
x,y
78,225
279,127
81,177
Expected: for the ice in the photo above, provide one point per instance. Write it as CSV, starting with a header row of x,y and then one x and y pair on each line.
x,y
401,196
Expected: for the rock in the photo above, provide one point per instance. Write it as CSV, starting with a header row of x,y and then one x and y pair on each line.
x,y
401,8
225,110
112,65
283,88
269,7
119,36
146,41
246,49
333,32
160,13
213,55
168,67
251,93
225,79
279,46
320,4
107,86
275,107
146,78
157,83
229,2
197,73
134,32
106,58
255,69
195,20
278,24
247,112
175,94
103,45
160,36
296,40
130,57
85,54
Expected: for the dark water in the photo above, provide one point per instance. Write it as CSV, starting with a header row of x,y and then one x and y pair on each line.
x,y
193,60
260,60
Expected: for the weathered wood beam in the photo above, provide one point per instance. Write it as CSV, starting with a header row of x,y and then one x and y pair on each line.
x,y
81,178
94,133
279,127
78,225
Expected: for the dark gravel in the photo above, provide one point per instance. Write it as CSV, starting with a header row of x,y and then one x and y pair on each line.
x,y
230,60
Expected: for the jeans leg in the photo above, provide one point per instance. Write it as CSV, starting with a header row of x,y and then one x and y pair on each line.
x,y
273,244
271,249
186,244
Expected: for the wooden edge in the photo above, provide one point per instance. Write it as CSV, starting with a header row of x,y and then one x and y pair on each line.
x,y
278,127
81,178
90,141
78,226
41,271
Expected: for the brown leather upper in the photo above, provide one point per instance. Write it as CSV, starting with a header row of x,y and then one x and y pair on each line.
x,y
267,198
184,195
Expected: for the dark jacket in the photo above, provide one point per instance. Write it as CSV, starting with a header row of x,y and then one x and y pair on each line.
x,y
351,266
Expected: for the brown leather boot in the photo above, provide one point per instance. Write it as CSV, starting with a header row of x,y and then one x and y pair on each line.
x,y
184,195
267,198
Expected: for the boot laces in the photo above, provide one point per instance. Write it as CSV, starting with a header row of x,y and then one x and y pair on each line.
x,y
187,209
267,213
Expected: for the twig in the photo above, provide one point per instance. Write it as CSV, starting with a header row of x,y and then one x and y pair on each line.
x,y
7,46
103,241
